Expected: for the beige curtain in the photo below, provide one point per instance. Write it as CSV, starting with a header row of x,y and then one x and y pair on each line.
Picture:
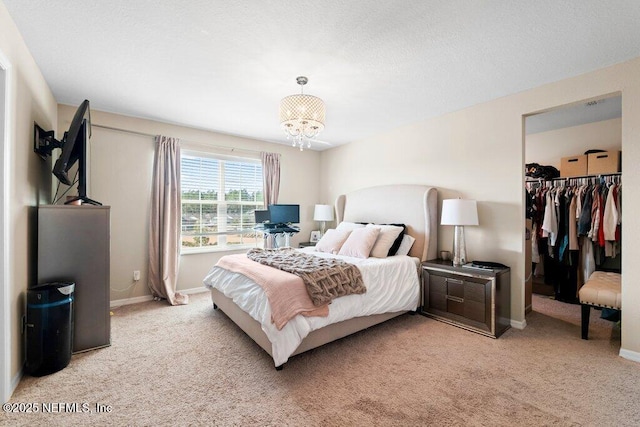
x,y
270,177
164,234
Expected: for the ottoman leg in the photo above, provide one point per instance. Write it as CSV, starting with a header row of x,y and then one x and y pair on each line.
x,y
586,310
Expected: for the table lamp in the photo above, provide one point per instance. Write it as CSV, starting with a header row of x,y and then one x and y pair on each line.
x,y
323,213
459,212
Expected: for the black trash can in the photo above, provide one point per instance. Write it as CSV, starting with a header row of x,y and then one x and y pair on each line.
x,y
49,327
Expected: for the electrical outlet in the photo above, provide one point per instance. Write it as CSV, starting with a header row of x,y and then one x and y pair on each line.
x,y
136,275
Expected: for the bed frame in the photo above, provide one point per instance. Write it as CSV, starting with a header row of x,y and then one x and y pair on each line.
x,y
416,206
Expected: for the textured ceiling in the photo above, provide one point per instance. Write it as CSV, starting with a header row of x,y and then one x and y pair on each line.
x,y
225,65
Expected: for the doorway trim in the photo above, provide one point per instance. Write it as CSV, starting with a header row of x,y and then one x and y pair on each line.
x,y
6,384
614,94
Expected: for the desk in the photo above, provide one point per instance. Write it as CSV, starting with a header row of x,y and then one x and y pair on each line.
x,y
278,236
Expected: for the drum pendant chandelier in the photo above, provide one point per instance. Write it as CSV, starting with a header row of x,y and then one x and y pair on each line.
x,y
302,116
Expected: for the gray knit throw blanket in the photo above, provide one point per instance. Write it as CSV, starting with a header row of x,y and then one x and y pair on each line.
x,y
325,278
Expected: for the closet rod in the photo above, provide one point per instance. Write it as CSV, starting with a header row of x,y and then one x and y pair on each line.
x,y
587,176
201,144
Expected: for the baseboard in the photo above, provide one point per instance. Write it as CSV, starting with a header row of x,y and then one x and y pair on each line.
x,y
127,301
14,382
194,290
145,298
518,325
630,355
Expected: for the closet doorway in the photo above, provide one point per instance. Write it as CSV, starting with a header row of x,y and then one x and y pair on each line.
x,y
557,144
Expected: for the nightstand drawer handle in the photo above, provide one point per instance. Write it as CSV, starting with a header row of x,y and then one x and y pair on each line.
x,y
456,281
456,299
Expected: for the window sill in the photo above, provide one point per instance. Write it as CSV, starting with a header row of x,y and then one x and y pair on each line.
x,y
215,249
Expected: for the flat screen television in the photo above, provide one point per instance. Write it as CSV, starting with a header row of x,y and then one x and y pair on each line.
x,y
74,147
284,214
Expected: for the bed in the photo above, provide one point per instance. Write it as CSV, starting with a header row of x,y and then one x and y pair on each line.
x,y
244,302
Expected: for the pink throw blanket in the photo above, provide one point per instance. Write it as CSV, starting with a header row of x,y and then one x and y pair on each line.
x,y
286,292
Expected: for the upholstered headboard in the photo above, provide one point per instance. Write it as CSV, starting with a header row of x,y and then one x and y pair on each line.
x,y
416,206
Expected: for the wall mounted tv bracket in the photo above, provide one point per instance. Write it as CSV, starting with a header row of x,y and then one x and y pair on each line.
x,y
44,142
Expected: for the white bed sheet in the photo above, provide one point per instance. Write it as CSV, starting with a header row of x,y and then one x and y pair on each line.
x,y
392,285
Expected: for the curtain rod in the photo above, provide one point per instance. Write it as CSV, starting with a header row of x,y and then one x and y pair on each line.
x,y
202,144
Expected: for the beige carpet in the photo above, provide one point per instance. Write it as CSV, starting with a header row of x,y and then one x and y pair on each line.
x,y
190,365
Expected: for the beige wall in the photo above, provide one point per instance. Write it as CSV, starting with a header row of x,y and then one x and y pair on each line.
x,y
478,153
30,100
121,166
474,153
547,148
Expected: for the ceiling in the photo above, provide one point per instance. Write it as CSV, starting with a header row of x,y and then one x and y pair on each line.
x,y
224,65
573,115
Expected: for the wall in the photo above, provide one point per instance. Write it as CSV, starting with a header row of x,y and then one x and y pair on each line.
x,y
121,166
30,100
547,148
478,153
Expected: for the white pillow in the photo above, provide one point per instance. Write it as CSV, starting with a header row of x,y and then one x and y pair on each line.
x,y
346,225
388,235
360,242
405,246
332,241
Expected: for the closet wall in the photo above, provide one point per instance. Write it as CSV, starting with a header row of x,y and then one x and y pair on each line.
x,y
547,148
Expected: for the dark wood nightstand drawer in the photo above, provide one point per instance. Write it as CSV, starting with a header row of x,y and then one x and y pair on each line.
x,y
455,305
475,311
438,300
475,291
455,287
438,284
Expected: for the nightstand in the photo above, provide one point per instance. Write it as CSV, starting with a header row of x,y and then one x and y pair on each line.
x,y
305,244
473,299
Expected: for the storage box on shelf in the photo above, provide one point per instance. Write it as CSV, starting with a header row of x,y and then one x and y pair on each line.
x,y
573,166
604,162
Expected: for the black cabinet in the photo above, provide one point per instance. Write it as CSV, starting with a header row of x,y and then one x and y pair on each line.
x,y
477,300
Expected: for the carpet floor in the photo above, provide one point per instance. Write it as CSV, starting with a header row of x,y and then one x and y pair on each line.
x,y
190,365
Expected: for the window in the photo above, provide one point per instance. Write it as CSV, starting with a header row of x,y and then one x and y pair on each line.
x,y
219,197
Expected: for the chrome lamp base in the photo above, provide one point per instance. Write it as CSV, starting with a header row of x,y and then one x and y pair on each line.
x,y
459,247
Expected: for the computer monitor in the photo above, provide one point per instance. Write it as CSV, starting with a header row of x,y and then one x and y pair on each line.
x,y
284,214
262,216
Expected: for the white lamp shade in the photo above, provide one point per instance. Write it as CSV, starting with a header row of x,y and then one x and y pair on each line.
x,y
323,213
459,212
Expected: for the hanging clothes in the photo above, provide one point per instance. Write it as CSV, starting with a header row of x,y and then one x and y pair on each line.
x,y
573,224
576,227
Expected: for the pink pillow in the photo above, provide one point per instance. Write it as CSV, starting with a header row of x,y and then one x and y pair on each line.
x,y
332,241
360,242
